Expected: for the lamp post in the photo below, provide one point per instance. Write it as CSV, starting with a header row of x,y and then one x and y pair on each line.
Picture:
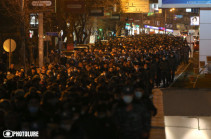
x,y
23,33
165,20
40,30
171,10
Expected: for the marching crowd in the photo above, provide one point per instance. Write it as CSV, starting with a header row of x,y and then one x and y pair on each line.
x,y
101,93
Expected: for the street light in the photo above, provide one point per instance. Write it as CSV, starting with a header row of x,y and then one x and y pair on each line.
x,y
171,10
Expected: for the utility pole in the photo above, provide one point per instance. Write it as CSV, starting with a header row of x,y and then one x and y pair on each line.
x,y
142,24
23,46
40,30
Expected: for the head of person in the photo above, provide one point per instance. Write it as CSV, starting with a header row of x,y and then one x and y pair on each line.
x,y
18,99
127,95
145,66
33,71
50,98
12,66
138,93
163,58
33,102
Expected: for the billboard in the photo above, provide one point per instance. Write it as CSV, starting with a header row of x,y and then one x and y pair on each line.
x,y
194,21
135,6
184,3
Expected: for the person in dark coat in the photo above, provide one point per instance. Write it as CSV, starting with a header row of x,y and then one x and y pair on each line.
x,y
164,67
147,81
172,66
186,53
128,117
153,71
52,56
63,59
158,75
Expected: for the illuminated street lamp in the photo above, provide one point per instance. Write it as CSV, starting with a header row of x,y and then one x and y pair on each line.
x,y
172,9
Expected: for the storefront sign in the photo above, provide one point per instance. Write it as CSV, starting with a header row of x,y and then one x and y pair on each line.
x,y
135,6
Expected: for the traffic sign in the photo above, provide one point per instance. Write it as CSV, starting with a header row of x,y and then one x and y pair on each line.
x,y
75,7
52,33
41,3
9,45
97,11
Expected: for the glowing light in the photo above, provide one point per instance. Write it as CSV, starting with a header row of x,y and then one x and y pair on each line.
x,y
135,6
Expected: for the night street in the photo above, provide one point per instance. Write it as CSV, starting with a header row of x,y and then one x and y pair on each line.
x,y
105,69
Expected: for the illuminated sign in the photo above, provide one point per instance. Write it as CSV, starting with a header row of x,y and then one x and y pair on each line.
x,y
150,14
188,10
158,28
194,21
178,16
153,7
34,20
184,3
135,6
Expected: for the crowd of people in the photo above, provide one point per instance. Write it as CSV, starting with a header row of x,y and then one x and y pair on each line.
x,y
100,93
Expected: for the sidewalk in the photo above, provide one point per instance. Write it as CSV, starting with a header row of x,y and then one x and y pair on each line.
x,y
158,127
190,79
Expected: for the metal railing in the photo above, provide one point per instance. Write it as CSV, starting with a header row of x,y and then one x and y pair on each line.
x,y
197,76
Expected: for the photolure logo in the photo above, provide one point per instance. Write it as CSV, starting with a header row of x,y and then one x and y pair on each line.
x,y
7,134
28,134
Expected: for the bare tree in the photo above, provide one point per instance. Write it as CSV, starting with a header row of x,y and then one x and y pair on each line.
x,y
82,24
20,11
